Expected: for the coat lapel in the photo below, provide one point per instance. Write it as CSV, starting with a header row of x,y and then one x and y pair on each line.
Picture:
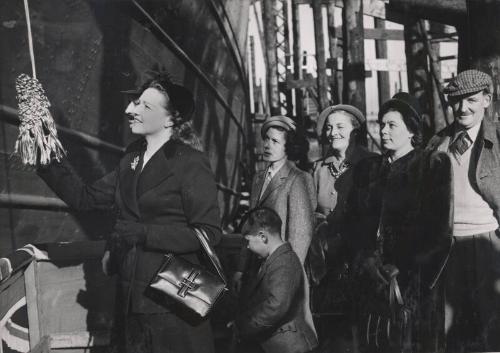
x,y
441,141
276,181
486,154
157,169
130,169
257,187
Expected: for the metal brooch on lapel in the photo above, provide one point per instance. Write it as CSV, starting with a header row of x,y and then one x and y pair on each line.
x,y
134,163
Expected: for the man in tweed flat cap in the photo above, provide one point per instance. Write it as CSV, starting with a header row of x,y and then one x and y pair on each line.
x,y
472,273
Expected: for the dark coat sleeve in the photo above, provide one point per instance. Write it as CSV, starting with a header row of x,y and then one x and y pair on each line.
x,y
362,208
436,216
63,180
199,202
282,282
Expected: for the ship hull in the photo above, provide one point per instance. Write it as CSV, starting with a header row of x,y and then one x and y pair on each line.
x,y
86,52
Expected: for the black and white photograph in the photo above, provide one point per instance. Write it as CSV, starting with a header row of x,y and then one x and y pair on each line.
x,y
249,176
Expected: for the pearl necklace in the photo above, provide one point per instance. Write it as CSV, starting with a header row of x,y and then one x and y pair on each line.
x,y
342,168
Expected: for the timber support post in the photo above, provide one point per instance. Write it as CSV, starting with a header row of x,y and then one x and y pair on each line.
x,y
320,54
353,54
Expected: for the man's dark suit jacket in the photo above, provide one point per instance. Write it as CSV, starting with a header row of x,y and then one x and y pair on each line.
x,y
174,192
274,309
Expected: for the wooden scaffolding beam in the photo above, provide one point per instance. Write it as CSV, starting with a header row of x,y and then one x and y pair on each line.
x,y
424,75
334,53
353,54
320,54
297,59
383,84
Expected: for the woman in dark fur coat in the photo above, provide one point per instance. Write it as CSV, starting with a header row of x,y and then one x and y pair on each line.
x,y
399,220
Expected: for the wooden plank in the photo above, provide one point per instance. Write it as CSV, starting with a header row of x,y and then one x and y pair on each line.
x,y
375,8
81,250
81,339
383,82
373,33
452,12
432,5
31,285
309,82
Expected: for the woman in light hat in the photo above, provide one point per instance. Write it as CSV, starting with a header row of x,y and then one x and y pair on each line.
x,y
342,133
287,190
284,187
161,188
399,214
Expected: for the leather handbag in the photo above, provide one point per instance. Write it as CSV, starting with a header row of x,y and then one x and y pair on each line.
x,y
191,285
388,323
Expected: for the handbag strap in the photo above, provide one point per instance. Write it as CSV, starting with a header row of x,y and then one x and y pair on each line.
x,y
203,238
395,296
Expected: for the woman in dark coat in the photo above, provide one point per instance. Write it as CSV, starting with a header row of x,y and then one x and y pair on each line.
x,y
399,213
161,189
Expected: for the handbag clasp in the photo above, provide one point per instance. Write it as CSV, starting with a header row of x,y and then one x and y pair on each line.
x,y
188,283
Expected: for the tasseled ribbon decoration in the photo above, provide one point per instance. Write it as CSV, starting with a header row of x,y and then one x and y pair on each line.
x,y
37,140
37,130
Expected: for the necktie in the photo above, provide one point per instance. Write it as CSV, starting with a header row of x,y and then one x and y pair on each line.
x,y
461,144
267,180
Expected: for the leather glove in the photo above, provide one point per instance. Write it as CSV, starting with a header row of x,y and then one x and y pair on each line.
x,y
132,233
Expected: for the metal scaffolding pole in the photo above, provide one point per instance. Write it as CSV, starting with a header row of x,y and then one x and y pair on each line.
x,y
270,55
283,55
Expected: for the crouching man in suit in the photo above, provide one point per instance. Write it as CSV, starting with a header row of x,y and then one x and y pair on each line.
x,y
272,318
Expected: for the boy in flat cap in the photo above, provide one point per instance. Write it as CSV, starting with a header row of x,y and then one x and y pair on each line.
x,y
472,273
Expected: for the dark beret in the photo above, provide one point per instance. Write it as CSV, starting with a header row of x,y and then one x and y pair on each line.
x,y
467,82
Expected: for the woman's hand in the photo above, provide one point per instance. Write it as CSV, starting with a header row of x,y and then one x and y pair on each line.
x,y
132,233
